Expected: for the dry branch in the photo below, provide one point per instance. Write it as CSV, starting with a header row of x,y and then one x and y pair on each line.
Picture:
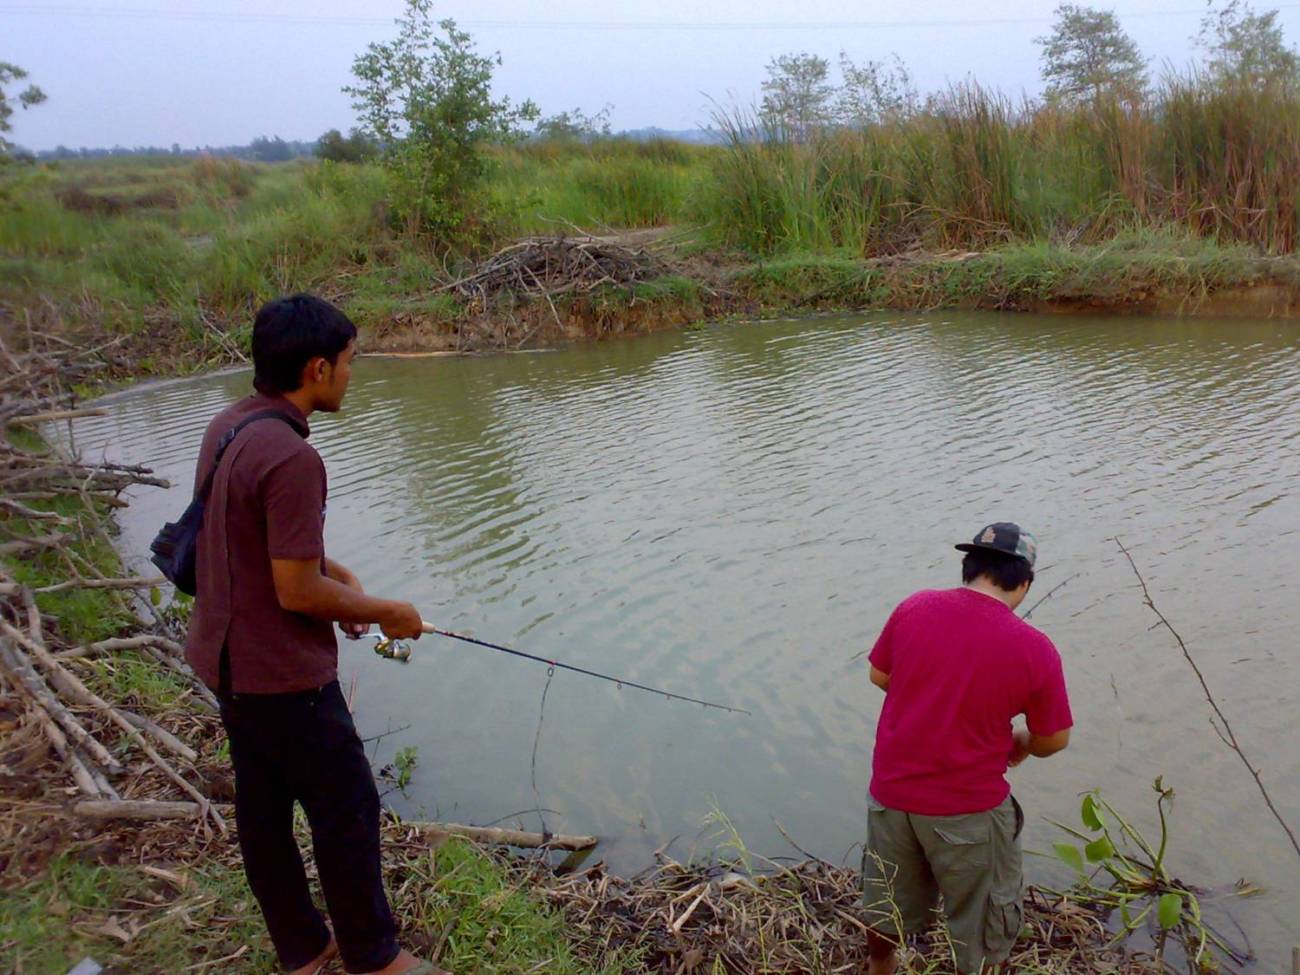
x,y
33,391
72,686
25,677
1223,729
493,835
137,809
85,780
34,419
150,582
551,266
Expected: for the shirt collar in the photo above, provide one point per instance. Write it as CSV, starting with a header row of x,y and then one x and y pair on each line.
x,y
986,595
296,418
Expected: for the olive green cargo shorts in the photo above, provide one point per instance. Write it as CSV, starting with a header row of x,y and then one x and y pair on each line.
x,y
972,861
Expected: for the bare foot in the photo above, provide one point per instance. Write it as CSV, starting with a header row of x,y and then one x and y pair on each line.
x,y
317,963
407,962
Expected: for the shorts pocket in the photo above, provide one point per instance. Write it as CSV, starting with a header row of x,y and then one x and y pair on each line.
x,y
966,841
1002,923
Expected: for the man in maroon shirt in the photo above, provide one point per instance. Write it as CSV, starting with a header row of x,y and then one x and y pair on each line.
x,y
262,637
957,667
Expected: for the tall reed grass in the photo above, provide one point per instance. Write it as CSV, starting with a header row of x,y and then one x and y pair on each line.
x,y
555,186
974,169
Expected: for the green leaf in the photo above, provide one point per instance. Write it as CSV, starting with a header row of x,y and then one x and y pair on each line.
x,y
1126,915
1070,855
1091,818
1170,910
1099,849
155,595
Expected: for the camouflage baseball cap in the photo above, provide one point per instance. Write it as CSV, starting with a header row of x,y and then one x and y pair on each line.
x,y
1004,537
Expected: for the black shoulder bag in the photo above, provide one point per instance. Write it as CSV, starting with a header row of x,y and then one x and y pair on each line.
x,y
175,544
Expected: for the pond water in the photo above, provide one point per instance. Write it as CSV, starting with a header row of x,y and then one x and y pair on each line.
x,y
731,513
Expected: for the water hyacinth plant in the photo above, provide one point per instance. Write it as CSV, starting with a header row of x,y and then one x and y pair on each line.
x,y
1119,871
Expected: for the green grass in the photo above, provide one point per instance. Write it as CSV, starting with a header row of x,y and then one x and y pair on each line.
x,y
461,901
493,923
669,288
81,615
590,191
974,170
35,225
50,923
1013,276
138,683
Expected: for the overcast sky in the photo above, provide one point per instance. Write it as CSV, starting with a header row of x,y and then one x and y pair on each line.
x,y
214,72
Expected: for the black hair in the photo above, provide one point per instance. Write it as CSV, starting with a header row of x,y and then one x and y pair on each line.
x,y
1007,572
288,333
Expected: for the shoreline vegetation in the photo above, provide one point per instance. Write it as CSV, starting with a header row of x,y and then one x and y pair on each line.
x,y
107,733
1186,202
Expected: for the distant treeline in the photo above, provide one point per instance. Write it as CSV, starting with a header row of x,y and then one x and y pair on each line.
x,y
276,149
261,149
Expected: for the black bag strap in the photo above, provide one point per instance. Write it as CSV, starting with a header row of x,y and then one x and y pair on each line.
x,y
226,440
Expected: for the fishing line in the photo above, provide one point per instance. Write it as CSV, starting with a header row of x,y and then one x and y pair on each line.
x,y
541,716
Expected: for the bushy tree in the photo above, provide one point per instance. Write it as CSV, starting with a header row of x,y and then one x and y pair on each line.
x,y
353,148
426,97
575,126
270,150
29,96
1088,56
797,94
873,92
1247,46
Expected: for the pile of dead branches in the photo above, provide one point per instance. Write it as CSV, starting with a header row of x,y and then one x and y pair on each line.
x,y
118,761
794,919
554,266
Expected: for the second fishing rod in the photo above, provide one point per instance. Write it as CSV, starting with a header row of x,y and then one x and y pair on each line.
x,y
399,650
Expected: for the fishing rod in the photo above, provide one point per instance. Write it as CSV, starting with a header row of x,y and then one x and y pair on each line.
x,y
397,650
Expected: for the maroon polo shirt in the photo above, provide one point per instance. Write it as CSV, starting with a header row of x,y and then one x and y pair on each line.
x,y
267,502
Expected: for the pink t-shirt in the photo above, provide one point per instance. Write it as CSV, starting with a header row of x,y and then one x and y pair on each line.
x,y
961,665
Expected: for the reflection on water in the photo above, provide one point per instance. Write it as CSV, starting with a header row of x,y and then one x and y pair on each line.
x,y
732,512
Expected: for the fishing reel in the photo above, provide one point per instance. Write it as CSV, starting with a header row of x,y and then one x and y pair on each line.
x,y
398,650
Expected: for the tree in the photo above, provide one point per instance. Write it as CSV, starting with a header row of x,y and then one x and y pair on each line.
x,y
270,150
1247,46
874,92
355,148
28,97
575,126
426,97
797,94
1088,56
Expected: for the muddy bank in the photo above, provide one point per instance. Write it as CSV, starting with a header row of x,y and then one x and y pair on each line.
x,y
546,292
694,290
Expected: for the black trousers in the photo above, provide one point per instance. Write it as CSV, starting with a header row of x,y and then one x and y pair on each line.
x,y
304,747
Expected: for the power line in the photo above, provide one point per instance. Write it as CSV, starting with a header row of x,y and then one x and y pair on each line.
x,y
146,13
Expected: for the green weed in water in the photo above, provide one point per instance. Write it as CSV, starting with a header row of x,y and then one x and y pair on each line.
x,y
1120,871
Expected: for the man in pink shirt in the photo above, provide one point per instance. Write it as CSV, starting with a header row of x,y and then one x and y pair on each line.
x,y
957,667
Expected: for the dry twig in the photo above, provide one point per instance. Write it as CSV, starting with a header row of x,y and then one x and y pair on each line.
x,y
1223,729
